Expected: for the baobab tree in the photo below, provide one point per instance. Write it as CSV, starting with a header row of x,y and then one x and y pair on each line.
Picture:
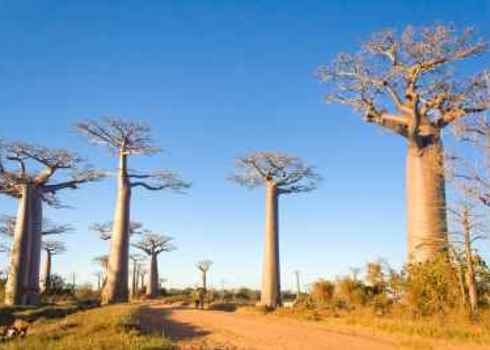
x,y
126,138
153,244
52,248
407,85
41,173
204,266
280,174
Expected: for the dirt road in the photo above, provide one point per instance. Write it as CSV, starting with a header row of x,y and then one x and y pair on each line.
x,y
234,330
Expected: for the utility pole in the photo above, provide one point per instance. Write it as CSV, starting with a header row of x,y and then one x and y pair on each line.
x,y
298,283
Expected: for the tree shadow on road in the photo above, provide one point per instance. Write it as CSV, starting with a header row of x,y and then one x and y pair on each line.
x,y
158,321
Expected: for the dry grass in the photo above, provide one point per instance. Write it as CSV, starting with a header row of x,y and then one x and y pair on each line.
x,y
112,327
454,327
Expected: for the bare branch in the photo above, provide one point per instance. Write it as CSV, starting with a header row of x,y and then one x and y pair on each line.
x,y
54,247
160,180
119,135
105,230
204,265
155,243
290,174
406,76
7,227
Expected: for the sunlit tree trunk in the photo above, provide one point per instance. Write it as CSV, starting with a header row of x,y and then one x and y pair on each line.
x,y
116,289
426,201
17,281
47,272
152,290
36,219
271,285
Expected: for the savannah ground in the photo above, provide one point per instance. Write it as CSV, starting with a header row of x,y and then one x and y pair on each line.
x,y
159,325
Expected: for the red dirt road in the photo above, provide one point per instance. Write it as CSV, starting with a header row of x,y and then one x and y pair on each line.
x,y
234,330
203,329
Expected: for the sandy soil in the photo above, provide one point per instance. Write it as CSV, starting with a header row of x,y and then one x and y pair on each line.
x,y
233,330
205,330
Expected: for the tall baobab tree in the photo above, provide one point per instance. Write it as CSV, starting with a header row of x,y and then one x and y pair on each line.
x,y
52,248
204,266
41,173
153,244
406,84
280,174
126,138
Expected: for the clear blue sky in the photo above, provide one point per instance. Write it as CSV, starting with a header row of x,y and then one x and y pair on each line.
x,y
216,79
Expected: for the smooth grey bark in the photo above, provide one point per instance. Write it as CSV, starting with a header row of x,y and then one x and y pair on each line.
x,y
152,290
271,284
19,258
47,272
426,201
33,296
116,288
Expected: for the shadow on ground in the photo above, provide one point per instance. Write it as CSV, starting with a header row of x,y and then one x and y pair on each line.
x,y
157,321
30,313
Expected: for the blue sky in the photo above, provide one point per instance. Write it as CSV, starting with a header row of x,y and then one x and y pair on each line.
x,y
216,79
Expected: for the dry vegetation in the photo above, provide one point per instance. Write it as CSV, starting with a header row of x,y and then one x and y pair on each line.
x,y
111,327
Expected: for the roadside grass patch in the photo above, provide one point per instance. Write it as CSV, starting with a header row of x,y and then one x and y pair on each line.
x,y
114,327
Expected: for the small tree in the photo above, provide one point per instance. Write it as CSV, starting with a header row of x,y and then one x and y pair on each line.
x,y
322,291
37,179
103,262
136,259
153,244
406,85
203,266
126,138
51,248
100,276
470,231
280,174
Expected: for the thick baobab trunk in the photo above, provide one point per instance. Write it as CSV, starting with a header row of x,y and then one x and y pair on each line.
x,y
47,272
271,284
17,281
426,201
33,292
152,290
116,289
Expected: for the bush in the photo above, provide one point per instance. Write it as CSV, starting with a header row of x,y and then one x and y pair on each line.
x,y
322,291
431,287
351,291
